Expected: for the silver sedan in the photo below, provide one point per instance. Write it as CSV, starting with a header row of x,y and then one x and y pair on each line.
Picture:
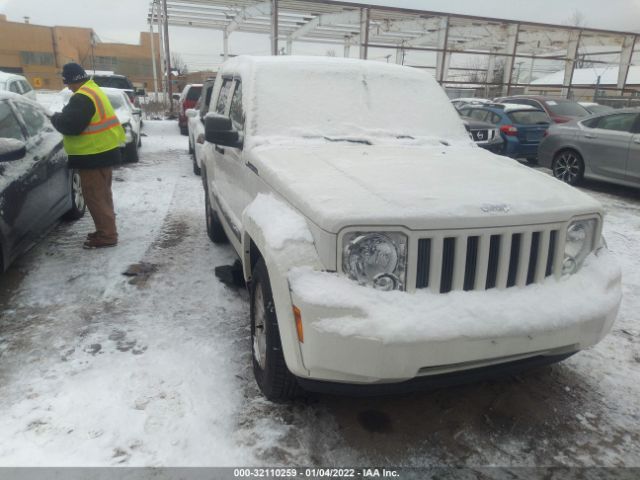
x,y
603,147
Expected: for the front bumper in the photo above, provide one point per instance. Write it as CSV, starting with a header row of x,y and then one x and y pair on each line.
x,y
358,335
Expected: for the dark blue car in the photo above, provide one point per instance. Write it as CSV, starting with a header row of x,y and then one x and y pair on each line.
x,y
521,126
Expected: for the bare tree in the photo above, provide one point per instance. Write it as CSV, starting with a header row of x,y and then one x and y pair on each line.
x,y
178,64
577,19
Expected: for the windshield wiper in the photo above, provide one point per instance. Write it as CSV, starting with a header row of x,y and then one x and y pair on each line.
x,y
351,140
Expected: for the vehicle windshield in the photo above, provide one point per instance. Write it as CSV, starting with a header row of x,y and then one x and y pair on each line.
x,y
116,101
599,108
194,93
528,117
113,82
340,101
567,108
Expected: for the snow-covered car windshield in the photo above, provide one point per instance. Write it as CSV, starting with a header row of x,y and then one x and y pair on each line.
x,y
335,99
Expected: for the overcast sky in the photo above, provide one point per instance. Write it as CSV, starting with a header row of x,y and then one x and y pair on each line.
x,y
122,20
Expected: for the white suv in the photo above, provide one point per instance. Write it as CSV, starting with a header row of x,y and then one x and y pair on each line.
x,y
382,248
10,82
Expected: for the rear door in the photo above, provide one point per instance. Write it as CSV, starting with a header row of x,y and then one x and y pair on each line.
x,y
605,145
633,160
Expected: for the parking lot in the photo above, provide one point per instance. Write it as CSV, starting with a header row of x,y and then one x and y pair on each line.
x,y
153,368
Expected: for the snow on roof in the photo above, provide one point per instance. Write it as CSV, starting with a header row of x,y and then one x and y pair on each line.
x,y
6,76
303,96
589,76
510,107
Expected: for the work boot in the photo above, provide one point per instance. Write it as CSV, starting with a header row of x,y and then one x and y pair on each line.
x,y
96,242
91,235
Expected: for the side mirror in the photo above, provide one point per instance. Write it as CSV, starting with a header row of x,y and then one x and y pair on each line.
x,y
191,112
218,129
12,149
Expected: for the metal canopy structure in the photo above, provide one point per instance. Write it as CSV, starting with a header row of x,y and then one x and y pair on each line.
x,y
460,49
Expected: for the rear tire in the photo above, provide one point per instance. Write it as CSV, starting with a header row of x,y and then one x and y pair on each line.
x,y
269,368
78,205
183,130
196,168
214,227
568,167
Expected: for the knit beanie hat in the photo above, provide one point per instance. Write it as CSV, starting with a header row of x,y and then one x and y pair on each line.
x,y
73,73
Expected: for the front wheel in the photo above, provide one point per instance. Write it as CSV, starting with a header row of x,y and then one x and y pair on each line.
x,y
78,205
131,152
568,166
196,168
269,368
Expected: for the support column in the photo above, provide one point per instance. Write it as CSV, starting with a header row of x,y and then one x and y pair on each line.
x,y
153,54
441,56
570,62
512,49
274,27
168,56
289,46
364,33
400,54
225,44
347,47
628,45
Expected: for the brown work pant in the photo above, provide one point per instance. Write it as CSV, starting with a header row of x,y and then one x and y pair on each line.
x,y
96,188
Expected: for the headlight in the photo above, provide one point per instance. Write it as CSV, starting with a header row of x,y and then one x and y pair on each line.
x,y
378,260
580,243
128,132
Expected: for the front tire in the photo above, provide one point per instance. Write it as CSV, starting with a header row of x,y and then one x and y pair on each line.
x,y
568,167
196,169
269,368
131,152
78,205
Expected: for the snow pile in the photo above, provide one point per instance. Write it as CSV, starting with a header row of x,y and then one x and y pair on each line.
x,y
320,97
279,223
399,317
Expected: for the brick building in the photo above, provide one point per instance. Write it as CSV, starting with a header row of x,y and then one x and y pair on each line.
x,y
38,52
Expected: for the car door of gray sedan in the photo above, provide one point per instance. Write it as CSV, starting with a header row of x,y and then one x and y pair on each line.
x,y
633,161
605,147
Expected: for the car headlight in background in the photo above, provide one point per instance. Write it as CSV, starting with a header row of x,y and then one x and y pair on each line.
x,y
376,259
579,243
128,132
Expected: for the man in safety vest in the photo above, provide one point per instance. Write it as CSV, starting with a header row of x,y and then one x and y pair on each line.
x,y
92,139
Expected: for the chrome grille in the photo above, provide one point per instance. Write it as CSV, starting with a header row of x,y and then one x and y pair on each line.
x,y
491,258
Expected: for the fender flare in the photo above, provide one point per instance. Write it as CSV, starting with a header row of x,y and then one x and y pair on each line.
x,y
293,253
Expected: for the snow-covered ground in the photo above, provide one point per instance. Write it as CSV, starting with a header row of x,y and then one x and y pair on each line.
x,y
99,368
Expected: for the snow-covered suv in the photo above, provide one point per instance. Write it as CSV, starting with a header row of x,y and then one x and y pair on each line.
x,y
380,245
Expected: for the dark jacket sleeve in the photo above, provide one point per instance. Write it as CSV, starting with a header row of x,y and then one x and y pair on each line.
x,y
75,116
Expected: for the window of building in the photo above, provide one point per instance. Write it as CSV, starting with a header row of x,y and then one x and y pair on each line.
x,y
37,58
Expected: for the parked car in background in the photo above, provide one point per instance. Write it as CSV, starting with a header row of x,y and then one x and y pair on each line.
x,y
560,110
521,126
485,134
10,82
121,82
594,108
188,98
461,102
36,186
130,118
383,250
195,121
604,147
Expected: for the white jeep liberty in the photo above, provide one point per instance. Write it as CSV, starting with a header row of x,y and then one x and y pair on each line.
x,y
383,250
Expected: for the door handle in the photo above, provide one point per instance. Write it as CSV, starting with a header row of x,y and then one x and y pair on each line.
x,y
219,149
588,135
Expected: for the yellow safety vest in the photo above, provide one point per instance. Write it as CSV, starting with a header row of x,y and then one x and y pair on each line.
x,y
103,133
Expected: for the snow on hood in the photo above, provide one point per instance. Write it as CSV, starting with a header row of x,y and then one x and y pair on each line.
x,y
419,187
